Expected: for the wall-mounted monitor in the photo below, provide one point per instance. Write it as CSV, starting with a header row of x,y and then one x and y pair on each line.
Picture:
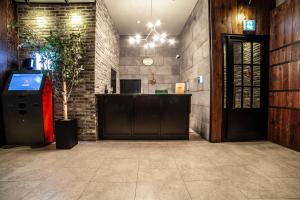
x,y
130,86
25,82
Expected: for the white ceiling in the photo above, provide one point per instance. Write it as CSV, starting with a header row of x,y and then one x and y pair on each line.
x,y
172,13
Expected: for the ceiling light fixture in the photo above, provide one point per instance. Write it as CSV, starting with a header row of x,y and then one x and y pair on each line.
x,y
76,19
41,21
153,38
241,17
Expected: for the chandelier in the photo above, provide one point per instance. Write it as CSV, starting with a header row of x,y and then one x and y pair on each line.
x,y
153,38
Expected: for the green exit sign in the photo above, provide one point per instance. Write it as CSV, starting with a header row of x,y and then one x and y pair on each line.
x,y
249,25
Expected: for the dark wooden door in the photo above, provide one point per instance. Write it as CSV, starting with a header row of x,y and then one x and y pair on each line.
x,y
245,87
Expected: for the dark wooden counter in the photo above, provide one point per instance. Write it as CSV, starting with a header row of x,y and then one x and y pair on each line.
x,y
143,116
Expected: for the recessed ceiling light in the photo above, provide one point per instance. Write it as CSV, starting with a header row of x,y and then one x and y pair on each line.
x,y
138,21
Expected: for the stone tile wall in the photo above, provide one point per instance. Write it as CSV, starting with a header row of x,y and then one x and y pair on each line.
x,y
165,66
195,62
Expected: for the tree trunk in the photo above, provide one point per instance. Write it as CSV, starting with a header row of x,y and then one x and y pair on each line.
x,y
65,100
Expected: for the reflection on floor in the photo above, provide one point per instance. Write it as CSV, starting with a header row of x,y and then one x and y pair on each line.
x,y
151,170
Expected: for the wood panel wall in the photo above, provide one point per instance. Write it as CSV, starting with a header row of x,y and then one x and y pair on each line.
x,y
224,14
284,89
8,48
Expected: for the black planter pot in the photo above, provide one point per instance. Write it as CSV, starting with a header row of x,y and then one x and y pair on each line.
x,y
66,133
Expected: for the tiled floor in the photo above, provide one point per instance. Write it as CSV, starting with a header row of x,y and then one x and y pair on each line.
x,y
151,170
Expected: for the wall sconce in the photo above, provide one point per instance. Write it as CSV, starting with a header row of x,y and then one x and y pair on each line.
x,y
241,17
152,79
76,20
41,21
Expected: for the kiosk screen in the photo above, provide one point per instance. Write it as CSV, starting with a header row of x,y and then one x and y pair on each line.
x,y
25,82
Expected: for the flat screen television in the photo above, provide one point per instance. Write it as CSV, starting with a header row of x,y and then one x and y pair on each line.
x,y
25,82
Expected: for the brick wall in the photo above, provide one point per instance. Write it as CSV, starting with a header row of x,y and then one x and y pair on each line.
x,y
107,48
165,66
58,16
195,62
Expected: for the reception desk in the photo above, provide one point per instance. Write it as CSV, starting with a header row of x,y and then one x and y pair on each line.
x,y
143,116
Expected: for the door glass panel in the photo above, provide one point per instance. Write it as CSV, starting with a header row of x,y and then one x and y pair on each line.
x,y
247,52
256,97
237,97
237,75
247,97
256,53
247,75
237,49
256,75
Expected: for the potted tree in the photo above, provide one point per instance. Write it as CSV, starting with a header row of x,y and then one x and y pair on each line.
x,y
60,55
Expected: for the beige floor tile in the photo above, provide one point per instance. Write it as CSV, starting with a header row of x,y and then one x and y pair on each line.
x,y
154,175
125,150
81,161
290,162
236,172
258,187
201,174
227,158
154,169
117,170
153,153
173,190
214,190
28,174
109,191
57,189
274,199
161,163
116,175
191,162
72,174
120,163
16,159
15,190
5,172
274,169
47,162
287,187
